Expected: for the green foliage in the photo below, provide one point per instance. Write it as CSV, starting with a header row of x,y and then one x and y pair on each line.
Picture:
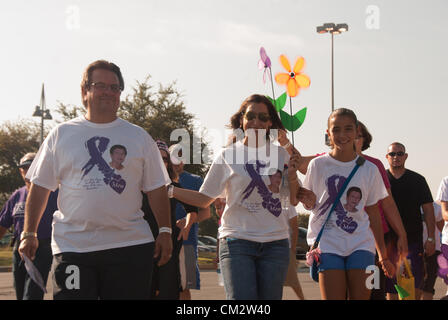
x,y
69,112
303,219
16,139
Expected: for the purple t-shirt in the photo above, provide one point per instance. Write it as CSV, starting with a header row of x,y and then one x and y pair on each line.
x,y
13,213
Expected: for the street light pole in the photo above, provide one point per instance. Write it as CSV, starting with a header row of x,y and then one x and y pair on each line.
x,y
333,29
332,72
43,113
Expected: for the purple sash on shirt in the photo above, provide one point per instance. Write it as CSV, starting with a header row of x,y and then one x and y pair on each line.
x,y
273,205
345,223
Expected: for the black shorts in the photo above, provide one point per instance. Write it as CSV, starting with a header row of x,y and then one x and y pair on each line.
x,y
121,273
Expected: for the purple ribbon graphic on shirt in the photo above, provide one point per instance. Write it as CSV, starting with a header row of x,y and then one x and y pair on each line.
x,y
345,223
273,205
96,151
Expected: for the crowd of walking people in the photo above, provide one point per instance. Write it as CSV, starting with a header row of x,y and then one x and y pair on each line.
x,y
103,199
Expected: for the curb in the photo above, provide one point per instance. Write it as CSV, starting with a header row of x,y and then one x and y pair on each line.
x,y
6,269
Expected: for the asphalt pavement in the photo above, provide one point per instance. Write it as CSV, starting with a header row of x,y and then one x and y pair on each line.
x,y
210,289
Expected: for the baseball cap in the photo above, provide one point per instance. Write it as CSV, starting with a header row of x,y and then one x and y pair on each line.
x,y
162,145
27,160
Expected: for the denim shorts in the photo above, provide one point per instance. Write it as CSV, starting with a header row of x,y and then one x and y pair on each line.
x,y
359,259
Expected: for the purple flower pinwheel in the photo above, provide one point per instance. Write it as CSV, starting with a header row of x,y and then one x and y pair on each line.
x,y
264,63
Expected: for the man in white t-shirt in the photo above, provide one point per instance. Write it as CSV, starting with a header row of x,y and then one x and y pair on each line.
x,y
102,246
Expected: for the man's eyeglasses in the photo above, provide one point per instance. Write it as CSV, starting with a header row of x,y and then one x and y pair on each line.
x,y
115,88
393,154
262,116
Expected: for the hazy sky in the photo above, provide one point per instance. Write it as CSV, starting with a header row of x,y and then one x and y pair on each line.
x,y
390,67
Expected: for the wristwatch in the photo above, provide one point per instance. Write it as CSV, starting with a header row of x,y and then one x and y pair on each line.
x,y
431,239
24,235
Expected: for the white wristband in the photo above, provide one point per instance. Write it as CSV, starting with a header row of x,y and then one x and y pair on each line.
x,y
170,191
286,146
165,229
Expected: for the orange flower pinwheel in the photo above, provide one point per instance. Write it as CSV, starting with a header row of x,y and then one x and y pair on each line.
x,y
294,79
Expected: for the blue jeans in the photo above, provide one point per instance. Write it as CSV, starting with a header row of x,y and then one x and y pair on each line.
x,y
26,289
253,270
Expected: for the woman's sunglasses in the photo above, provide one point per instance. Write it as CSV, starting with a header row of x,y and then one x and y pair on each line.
x,y
262,116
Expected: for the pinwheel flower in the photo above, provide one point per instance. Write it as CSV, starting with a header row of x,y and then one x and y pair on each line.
x,y
294,79
264,63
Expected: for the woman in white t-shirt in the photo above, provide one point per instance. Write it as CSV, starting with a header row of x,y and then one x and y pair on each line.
x,y
348,242
253,247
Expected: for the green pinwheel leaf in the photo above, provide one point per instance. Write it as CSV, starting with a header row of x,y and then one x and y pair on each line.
x,y
301,115
295,122
401,292
280,102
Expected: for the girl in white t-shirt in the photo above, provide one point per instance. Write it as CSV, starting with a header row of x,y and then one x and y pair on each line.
x,y
253,247
348,242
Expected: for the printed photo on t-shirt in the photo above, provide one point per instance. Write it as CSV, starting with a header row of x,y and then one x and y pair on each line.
x,y
117,155
354,196
276,180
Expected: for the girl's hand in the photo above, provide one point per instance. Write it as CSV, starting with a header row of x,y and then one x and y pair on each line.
x,y
294,162
388,268
307,197
282,139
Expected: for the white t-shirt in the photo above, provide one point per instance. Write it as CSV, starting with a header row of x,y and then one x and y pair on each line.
x,y
99,206
438,217
244,176
348,229
442,195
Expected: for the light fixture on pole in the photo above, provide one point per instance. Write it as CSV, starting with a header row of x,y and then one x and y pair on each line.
x,y
333,29
43,113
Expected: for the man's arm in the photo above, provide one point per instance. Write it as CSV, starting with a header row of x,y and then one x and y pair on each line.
x,y
440,224
393,217
34,209
160,205
430,220
192,197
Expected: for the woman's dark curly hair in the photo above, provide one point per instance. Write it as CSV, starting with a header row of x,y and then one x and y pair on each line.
x,y
235,120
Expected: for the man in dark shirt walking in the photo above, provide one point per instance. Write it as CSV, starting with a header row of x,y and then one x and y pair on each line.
x,y
410,192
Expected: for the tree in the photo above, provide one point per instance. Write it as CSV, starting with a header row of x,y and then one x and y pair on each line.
x,y
16,139
159,112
